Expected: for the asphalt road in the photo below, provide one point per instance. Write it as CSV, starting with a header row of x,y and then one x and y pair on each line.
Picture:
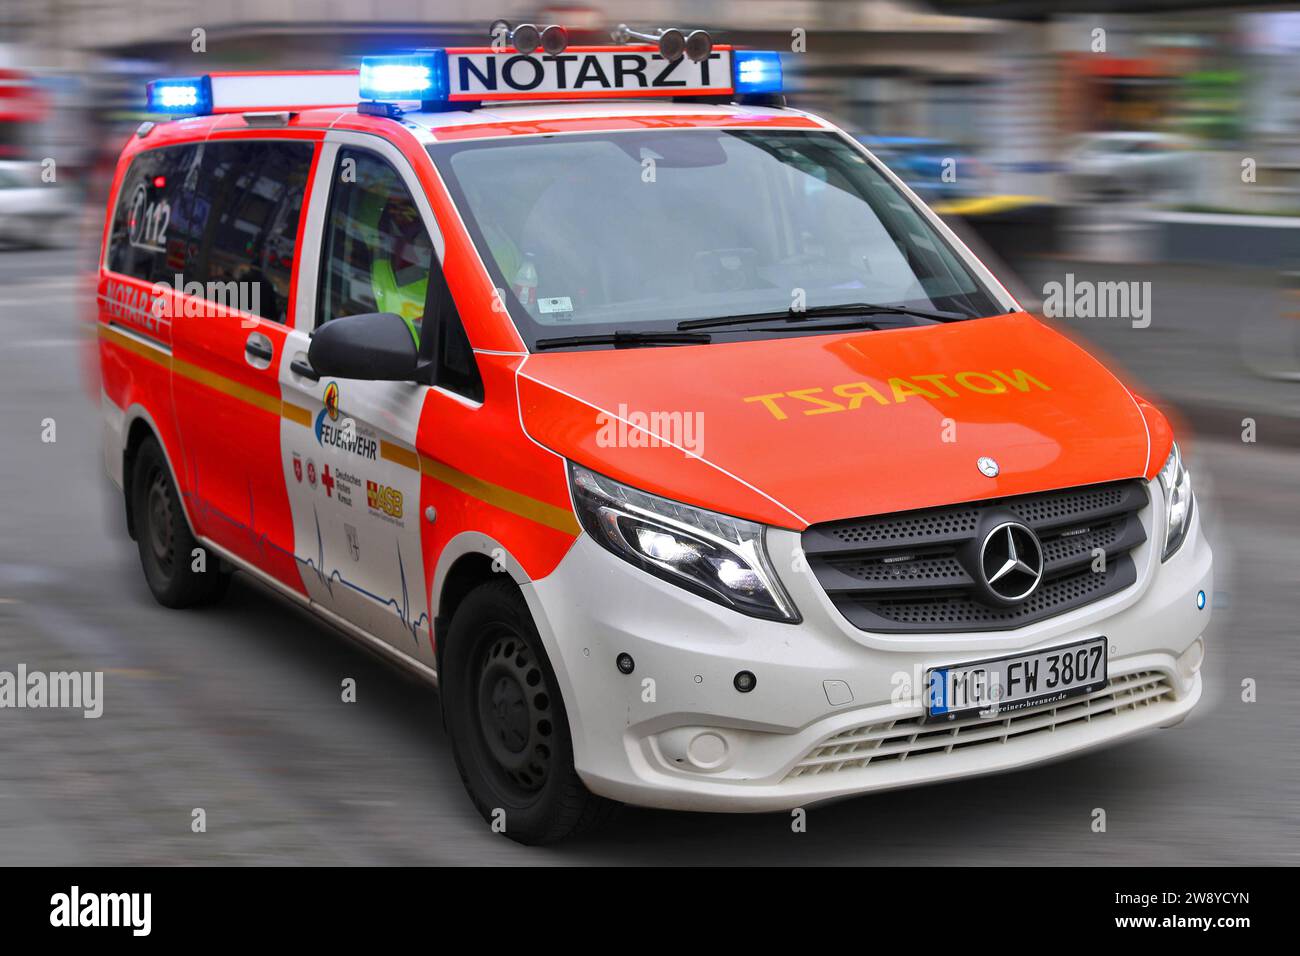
x,y
236,709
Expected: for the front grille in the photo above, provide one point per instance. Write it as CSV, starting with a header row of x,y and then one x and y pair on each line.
x,y
897,740
918,571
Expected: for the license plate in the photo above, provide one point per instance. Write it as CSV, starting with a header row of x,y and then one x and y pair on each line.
x,y
1003,685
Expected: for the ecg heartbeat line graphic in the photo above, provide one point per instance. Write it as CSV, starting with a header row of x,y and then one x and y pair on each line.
x,y
328,578
401,606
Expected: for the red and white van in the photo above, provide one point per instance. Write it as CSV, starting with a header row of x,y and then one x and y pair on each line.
x,y
662,426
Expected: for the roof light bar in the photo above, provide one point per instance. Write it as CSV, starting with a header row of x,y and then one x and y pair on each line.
x,y
454,77
180,96
757,72
415,76
238,92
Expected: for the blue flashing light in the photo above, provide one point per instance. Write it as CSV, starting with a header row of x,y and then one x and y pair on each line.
x,y
414,76
1200,600
756,71
180,95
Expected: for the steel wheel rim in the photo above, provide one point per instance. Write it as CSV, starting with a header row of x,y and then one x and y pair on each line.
x,y
515,714
162,531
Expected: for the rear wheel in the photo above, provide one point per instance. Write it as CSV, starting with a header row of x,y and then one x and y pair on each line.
x,y
167,547
509,730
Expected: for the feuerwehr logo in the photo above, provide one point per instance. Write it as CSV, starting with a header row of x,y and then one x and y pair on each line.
x,y
335,430
1011,560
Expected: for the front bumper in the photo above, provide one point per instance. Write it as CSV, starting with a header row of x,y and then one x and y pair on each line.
x,y
836,711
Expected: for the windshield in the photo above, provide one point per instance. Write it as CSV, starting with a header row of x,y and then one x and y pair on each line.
x,y
640,230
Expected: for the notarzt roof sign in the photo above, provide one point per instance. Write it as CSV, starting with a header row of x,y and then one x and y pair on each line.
x,y
616,71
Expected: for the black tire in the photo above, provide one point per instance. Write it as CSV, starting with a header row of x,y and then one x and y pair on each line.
x,y
508,727
164,537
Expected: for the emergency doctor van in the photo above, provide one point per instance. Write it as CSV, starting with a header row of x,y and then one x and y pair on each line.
x,y
657,423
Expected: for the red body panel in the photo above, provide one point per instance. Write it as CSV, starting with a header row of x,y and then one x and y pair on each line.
x,y
850,424
504,485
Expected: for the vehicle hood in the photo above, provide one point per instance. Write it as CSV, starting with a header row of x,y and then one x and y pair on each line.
x,y
794,431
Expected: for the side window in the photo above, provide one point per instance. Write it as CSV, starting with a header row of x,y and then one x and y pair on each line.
x,y
157,219
377,253
255,192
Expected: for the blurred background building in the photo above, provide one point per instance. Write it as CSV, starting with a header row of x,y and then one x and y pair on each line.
x,y
1016,92
1011,113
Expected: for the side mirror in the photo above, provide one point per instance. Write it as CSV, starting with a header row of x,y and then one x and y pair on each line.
x,y
376,346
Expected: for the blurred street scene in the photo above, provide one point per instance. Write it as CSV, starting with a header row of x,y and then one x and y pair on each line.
x,y
1070,144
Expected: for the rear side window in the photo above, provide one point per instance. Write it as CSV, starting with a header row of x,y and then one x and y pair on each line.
x,y
255,192
157,221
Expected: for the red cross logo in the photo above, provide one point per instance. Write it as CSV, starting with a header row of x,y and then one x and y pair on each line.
x,y
327,480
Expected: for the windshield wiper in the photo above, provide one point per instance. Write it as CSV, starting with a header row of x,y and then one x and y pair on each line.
x,y
844,309
626,339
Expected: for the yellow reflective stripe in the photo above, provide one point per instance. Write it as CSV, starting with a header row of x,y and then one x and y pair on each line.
x,y
154,353
219,383
552,516
399,455
297,414
561,519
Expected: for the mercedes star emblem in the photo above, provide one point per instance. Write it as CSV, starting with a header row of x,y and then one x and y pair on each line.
x,y
987,466
1011,560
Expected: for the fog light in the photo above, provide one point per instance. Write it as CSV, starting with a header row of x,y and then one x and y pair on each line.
x,y
624,663
707,750
1189,662
745,682
1200,600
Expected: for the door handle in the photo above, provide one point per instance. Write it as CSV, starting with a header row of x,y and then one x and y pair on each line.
x,y
258,350
299,367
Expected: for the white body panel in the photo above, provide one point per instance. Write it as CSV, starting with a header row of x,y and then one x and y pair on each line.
x,y
355,504
652,752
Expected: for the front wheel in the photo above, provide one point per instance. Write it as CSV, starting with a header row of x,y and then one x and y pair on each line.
x,y
176,574
509,731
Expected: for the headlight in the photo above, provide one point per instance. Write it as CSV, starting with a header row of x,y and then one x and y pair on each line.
x,y
716,556
1177,483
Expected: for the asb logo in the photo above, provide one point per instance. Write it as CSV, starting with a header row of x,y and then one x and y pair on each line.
x,y
384,498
